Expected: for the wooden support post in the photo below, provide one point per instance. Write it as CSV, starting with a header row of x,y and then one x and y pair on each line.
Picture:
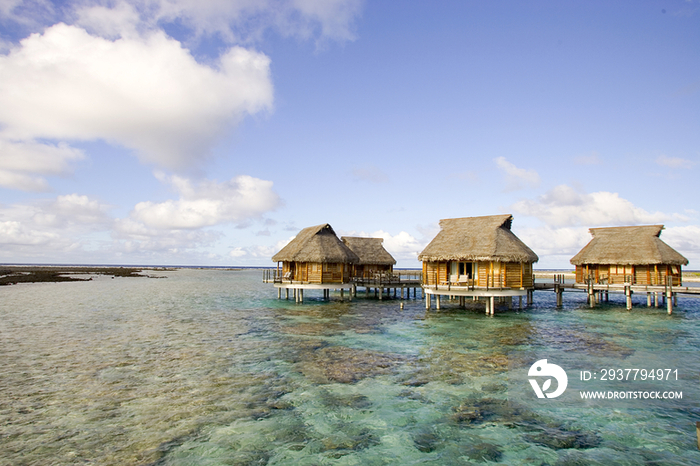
x,y
381,293
628,294
591,295
558,291
488,306
656,299
492,304
520,302
648,299
669,301
301,295
437,302
427,301
279,293
697,431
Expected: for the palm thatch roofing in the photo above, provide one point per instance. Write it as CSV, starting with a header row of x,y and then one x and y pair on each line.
x,y
369,250
477,239
316,244
635,245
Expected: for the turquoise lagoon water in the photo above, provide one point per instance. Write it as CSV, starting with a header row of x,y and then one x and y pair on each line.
x,y
208,367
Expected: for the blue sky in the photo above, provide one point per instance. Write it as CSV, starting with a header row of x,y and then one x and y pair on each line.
x,y
177,132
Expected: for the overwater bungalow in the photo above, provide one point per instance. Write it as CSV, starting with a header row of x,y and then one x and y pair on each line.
x,y
314,259
632,254
478,257
373,258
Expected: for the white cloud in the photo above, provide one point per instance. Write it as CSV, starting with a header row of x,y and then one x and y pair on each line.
x,y
257,252
236,21
15,233
517,178
111,23
146,93
563,206
246,20
675,162
132,237
685,239
209,203
21,161
402,245
548,241
57,225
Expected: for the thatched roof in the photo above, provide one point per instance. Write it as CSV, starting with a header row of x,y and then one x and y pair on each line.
x,y
637,245
369,250
477,238
316,244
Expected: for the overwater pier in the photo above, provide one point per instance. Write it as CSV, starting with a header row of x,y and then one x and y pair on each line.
x,y
657,295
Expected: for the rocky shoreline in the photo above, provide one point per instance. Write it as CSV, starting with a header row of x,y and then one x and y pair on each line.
x,y
11,275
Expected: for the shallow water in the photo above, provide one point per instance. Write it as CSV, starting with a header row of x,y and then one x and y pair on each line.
x,y
207,367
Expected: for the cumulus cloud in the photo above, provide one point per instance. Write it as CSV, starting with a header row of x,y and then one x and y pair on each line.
x,y
549,241
563,206
675,162
208,203
517,178
146,93
256,252
134,238
685,239
401,245
54,224
23,165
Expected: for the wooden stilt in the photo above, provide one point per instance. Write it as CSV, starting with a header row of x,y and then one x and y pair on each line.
x,y
437,302
669,301
628,294
427,301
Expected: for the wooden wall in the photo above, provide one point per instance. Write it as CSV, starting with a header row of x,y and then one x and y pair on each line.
x,y
317,272
639,274
492,274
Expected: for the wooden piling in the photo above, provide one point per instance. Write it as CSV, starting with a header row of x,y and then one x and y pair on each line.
x,y
697,431
628,294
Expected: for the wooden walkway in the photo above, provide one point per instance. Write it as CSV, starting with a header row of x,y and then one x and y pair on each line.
x,y
597,292
383,283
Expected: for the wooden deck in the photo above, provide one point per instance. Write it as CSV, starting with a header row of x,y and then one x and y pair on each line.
x,y
597,292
